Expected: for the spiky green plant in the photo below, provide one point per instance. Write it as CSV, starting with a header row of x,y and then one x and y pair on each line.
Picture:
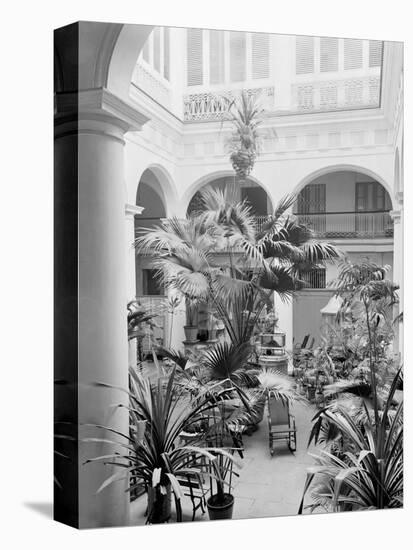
x,y
158,461
367,473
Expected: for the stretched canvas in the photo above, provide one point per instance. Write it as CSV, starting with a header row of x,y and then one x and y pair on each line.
x,y
228,274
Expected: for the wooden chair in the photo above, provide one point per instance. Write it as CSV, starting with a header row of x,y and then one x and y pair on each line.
x,y
193,484
281,423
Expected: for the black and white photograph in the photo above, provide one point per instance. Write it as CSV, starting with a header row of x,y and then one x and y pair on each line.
x,y
228,274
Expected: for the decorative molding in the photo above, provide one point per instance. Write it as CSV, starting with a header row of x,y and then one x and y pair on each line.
x,y
399,197
133,210
98,104
395,215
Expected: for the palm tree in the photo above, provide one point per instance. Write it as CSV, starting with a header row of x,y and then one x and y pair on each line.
x,y
362,465
187,255
365,285
244,113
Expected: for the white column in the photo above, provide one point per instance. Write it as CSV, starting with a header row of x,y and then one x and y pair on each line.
x,y
284,310
100,125
130,212
398,272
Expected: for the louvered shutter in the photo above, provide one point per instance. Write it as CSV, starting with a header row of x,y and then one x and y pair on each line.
x,y
166,55
353,54
304,54
375,53
237,51
260,45
328,55
194,57
216,57
157,49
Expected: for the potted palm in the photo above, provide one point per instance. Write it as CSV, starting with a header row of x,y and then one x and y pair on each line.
x,y
158,461
244,114
220,504
191,329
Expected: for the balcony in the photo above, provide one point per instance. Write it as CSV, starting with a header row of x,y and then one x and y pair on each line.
x,y
207,106
349,225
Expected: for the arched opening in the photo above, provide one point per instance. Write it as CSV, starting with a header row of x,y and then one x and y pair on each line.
x,y
345,204
248,190
351,209
149,292
150,196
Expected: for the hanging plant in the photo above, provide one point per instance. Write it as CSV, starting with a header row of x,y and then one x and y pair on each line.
x,y
245,116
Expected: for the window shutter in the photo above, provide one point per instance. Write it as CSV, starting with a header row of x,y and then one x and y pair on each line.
x,y
375,53
157,49
304,54
328,55
194,57
237,49
216,57
166,56
260,46
353,54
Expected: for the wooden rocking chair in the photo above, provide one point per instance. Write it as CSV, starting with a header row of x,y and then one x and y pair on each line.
x,y
281,423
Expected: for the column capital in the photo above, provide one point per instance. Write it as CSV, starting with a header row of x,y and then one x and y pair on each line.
x,y
399,197
96,111
131,210
395,215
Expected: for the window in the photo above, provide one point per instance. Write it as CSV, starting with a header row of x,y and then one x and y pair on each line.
x,y
194,52
312,199
260,46
353,54
328,55
166,54
304,54
371,196
375,53
237,53
216,57
314,278
156,51
150,283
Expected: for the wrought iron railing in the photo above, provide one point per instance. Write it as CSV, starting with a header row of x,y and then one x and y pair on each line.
x,y
213,105
349,225
315,278
333,225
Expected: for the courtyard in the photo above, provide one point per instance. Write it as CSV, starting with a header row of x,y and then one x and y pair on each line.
x,y
249,232
268,486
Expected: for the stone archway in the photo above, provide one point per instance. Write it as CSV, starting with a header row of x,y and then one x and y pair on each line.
x,y
247,190
331,169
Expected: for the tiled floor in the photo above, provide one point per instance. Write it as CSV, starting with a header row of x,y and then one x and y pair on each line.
x,y
267,486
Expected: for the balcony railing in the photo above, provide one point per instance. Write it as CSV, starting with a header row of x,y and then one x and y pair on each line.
x,y
331,225
336,94
349,225
214,105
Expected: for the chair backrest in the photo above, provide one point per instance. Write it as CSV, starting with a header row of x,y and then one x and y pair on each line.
x,y
277,410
